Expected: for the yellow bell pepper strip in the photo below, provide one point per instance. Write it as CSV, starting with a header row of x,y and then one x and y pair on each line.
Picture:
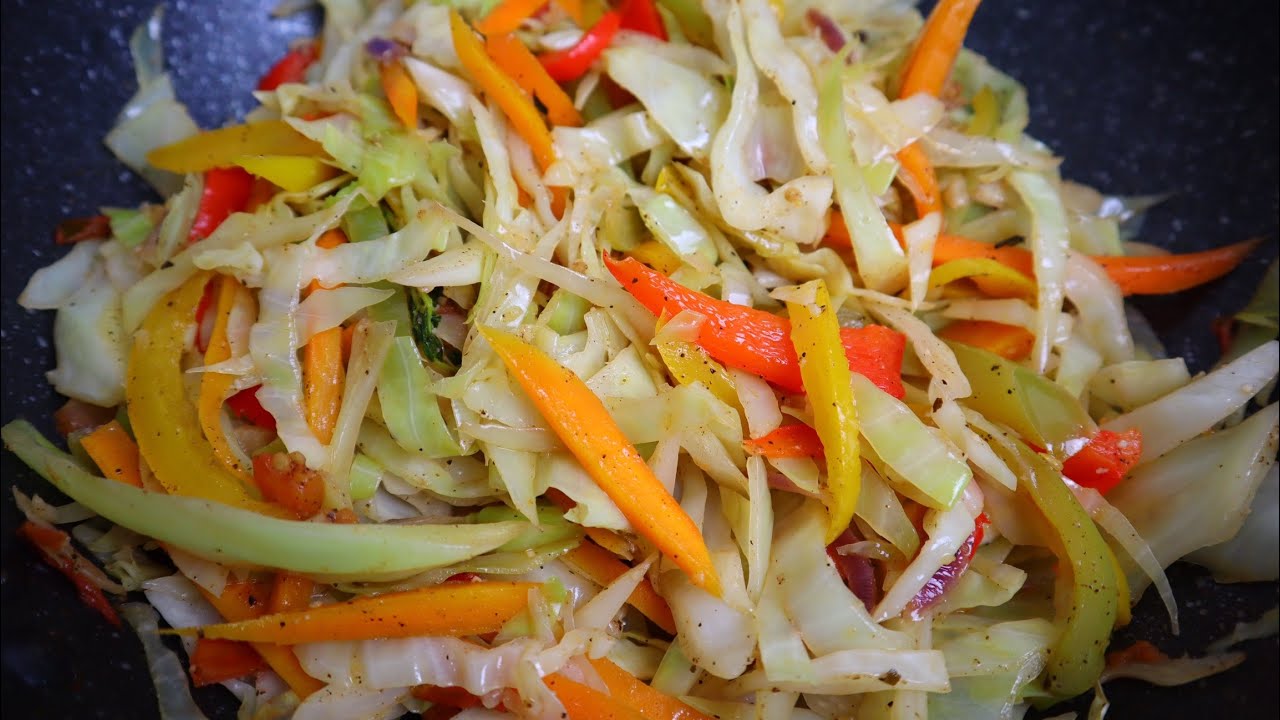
x,y
652,704
998,280
1035,407
757,341
221,147
214,387
165,422
925,71
693,20
583,424
240,537
401,92
657,256
815,332
55,549
1124,611
294,173
1010,342
519,63
586,703
519,109
114,452
602,568
1087,594
986,112
573,62
508,16
244,601
455,609
323,370
690,364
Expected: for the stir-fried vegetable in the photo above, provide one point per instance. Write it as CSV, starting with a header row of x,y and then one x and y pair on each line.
x,y
640,359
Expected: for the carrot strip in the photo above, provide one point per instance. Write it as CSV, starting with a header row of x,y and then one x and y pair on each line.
x,y
930,61
215,661
290,592
247,600
1161,274
788,441
1008,341
114,452
508,16
517,61
401,92
285,480
921,181
500,88
587,703
586,428
455,609
603,568
323,369
652,704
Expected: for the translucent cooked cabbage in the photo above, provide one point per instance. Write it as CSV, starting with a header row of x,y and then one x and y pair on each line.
x,y
509,360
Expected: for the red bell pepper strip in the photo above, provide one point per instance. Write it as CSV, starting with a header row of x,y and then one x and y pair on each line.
x,y
55,547
291,68
215,661
788,441
73,230
245,405
572,63
759,342
642,16
1105,460
226,190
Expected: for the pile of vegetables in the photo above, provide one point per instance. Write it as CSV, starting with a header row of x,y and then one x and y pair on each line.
x,y
640,359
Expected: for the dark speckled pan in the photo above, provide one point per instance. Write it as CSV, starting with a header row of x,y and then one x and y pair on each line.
x,y
1140,97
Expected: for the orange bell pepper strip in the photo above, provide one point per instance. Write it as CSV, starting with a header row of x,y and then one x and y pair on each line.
x,y
519,63
56,550
759,342
586,703
508,16
247,600
788,441
215,661
290,592
584,425
1162,274
401,93
603,568
455,609
925,71
651,703
1010,342
500,88
214,386
1105,460
114,452
324,371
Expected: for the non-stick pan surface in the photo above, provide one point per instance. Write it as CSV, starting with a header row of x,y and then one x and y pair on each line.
x,y
1140,97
